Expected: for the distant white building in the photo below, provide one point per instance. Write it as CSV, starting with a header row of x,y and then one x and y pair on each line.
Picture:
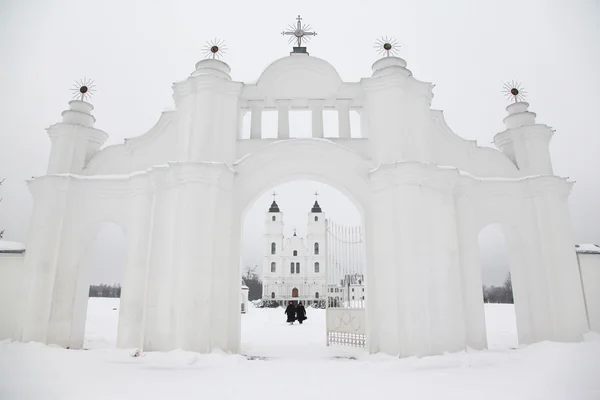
x,y
350,292
294,268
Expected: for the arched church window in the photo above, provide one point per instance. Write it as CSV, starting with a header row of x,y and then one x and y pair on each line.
x,y
316,218
273,267
295,253
272,295
292,268
273,218
316,267
273,248
297,268
316,295
316,248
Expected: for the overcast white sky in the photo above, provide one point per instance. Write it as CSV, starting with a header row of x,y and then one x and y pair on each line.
x,y
136,49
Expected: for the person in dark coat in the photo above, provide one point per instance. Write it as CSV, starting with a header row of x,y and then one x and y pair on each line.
x,y
300,312
291,313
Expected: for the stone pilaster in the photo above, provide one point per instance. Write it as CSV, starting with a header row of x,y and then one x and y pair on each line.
x,y
414,287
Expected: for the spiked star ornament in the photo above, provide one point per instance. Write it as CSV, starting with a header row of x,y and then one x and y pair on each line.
x,y
214,49
83,89
514,90
386,46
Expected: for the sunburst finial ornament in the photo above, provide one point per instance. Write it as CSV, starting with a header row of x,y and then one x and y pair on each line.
x,y
214,49
386,45
298,33
83,89
514,90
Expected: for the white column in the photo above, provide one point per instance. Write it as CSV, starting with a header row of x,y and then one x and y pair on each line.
x,y
283,120
316,106
364,123
343,107
132,306
256,109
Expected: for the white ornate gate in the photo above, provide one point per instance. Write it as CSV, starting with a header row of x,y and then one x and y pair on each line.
x,y
346,322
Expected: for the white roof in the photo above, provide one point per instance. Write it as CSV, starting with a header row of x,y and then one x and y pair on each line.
x,y
587,248
11,247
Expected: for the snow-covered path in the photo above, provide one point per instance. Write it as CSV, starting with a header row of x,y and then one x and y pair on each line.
x,y
296,365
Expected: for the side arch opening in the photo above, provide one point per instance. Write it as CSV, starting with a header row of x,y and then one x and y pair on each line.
x,y
496,242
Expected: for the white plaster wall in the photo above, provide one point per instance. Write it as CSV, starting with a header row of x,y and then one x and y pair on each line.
x,y
11,294
590,276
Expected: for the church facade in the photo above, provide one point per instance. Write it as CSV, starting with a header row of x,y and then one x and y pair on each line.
x,y
294,268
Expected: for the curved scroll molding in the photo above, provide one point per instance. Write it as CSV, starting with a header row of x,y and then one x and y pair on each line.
x,y
121,158
466,155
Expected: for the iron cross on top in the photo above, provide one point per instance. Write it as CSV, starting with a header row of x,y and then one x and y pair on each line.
x,y
299,32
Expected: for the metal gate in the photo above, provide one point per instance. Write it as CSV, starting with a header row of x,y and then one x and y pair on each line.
x,y
345,304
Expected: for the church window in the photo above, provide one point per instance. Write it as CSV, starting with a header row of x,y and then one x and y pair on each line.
x,y
295,253
273,248
363,297
316,248
316,267
363,289
316,219
316,295
273,266
297,268
292,268
273,218
352,297
295,292
272,295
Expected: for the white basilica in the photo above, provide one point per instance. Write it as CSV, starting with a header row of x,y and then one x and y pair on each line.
x,y
294,267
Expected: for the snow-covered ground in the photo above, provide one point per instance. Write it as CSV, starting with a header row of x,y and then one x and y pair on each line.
x,y
292,362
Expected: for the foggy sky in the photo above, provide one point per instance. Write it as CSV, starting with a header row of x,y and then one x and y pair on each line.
x,y
136,49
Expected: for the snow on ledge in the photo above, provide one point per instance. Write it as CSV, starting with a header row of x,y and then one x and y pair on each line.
x,y
11,247
587,248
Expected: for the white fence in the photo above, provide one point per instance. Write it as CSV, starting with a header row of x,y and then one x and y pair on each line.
x,y
346,322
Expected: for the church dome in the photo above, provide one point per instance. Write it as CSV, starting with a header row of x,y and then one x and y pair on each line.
x,y
316,208
299,76
274,207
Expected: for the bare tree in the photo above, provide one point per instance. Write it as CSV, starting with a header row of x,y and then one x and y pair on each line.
x,y
508,289
499,294
252,280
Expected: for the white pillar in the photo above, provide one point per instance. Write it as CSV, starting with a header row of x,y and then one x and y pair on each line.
x,y
160,266
256,109
419,289
132,306
283,119
364,123
316,106
343,108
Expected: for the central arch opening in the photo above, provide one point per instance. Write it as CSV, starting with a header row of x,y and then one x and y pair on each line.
x,y
285,259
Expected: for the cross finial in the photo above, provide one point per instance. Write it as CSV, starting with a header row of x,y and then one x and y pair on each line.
x,y
294,231
299,32
274,195
316,195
